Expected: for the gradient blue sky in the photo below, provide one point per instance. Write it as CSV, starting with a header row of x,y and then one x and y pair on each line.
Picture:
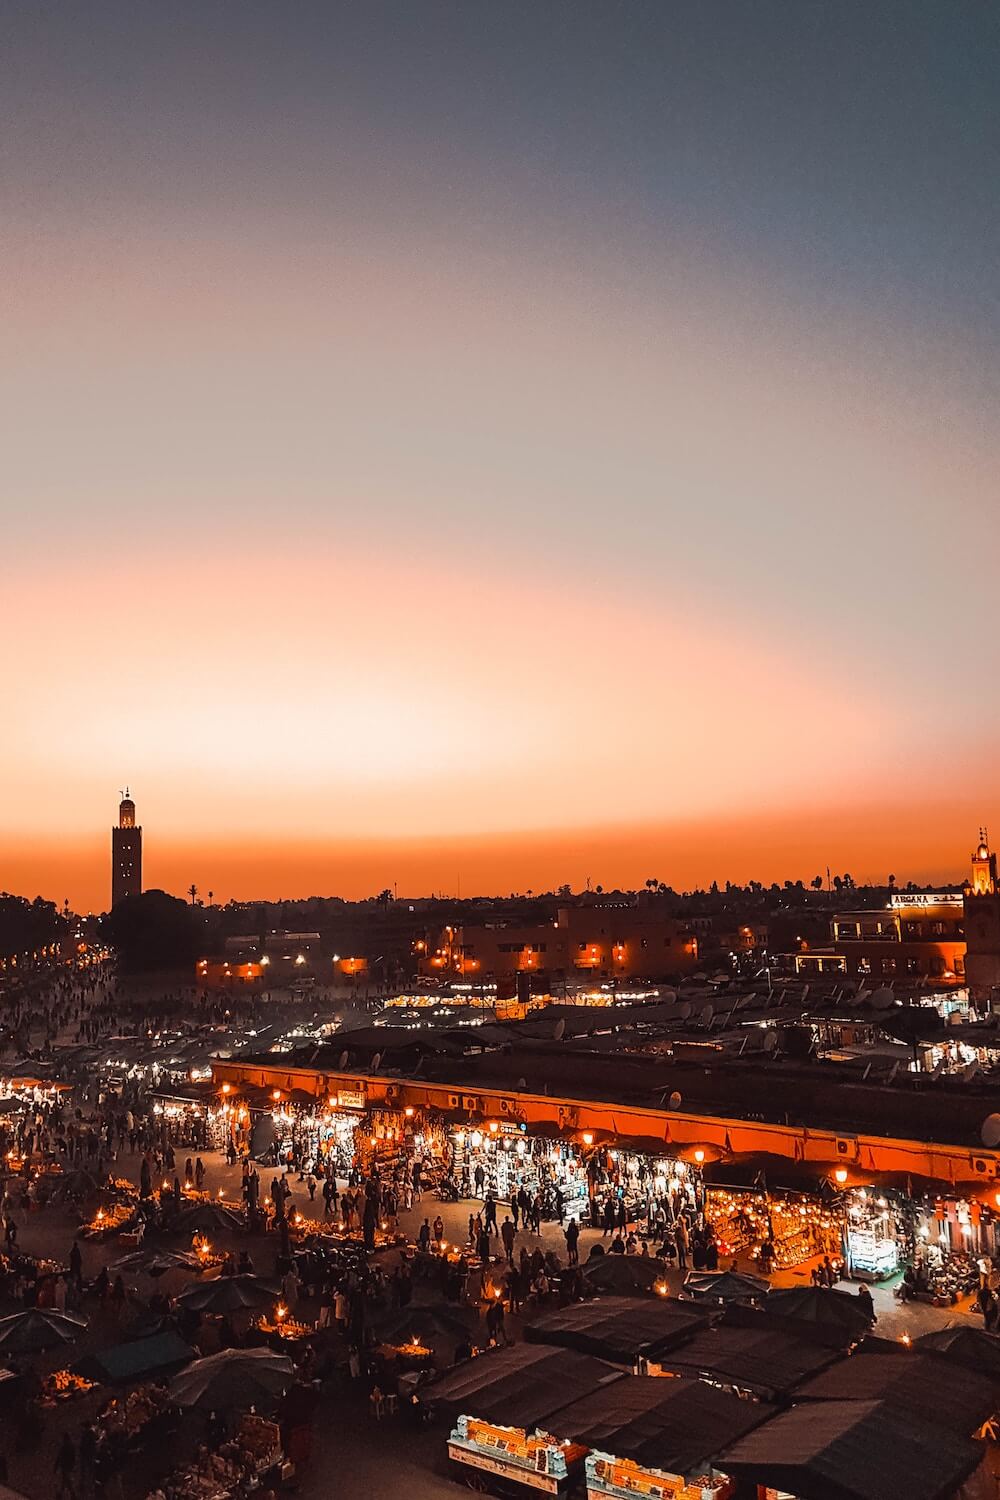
x,y
505,424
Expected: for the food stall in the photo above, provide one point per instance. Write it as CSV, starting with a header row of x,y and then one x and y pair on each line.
x,y
63,1385
610,1478
243,1463
533,1461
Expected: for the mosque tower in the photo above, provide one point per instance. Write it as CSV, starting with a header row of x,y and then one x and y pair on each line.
x,y
126,853
982,928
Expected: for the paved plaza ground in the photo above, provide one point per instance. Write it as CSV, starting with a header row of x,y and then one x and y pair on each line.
x,y
353,1455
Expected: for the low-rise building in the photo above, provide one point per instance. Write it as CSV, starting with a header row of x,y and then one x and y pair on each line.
x,y
598,942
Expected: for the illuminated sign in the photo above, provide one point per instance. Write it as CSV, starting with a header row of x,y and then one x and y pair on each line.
x,y
899,901
349,1099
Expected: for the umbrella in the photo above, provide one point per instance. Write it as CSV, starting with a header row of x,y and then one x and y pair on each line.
x,y
228,1294
208,1218
822,1307
724,1286
233,1379
427,1326
965,1345
38,1328
625,1275
79,1184
158,1262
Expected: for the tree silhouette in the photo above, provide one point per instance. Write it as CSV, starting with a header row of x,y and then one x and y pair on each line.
x,y
152,931
193,892
817,882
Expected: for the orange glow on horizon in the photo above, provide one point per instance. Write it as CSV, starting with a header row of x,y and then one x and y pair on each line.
x,y
924,842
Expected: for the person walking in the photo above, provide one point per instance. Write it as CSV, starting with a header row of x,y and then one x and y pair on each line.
x,y
490,1214
572,1233
65,1464
683,1240
508,1234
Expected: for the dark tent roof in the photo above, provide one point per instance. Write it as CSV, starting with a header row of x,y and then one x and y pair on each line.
x,y
673,1425
518,1387
924,1387
836,1322
619,1328
763,1360
966,1345
624,1275
853,1450
139,1359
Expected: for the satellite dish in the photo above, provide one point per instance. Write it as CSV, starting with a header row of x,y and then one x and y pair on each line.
x,y
890,1077
560,1030
376,1062
676,1100
770,1041
883,998
970,1072
990,1132
344,1058
706,1014
522,1083
668,995
684,1010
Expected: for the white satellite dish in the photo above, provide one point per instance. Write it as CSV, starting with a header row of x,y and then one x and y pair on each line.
x,y
376,1062
990,1132
560,1030
970,1071
883,999
344,1059
770,1041
706,1015
675,1101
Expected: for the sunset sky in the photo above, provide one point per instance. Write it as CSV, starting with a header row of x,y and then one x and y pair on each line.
x,y
493,445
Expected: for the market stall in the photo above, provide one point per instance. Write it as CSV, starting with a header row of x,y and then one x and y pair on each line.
x,y
875,1234
797,1226
522,1459
657,1438
508,1159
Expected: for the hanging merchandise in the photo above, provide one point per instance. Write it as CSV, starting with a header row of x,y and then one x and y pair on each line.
x,y
875,1235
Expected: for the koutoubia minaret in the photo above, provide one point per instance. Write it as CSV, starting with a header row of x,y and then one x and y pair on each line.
x,y
126,853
